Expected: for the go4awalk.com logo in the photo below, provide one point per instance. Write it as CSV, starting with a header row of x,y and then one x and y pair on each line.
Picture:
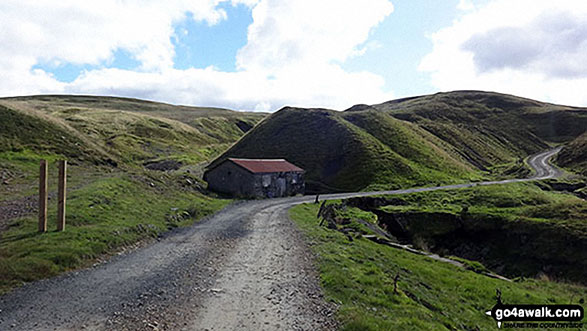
x,y
536,316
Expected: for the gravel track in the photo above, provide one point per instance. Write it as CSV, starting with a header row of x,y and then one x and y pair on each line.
x,y
246,267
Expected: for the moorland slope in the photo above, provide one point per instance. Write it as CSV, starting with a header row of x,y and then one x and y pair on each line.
x,y
433,139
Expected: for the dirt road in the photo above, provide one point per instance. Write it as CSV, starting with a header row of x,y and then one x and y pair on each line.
x,y
247,267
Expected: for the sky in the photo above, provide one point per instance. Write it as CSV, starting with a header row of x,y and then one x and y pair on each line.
x,y
265,54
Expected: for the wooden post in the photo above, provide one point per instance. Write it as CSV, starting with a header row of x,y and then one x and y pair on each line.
x,y
43,186
62,195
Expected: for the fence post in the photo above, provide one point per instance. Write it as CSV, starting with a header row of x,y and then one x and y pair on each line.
x,y
43,186
62,195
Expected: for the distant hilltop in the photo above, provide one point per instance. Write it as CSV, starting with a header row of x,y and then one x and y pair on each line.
x,y
440,138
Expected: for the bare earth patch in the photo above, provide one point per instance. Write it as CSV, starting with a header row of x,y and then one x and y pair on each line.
x,y
13,209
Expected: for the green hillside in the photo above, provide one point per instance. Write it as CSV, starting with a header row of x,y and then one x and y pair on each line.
x,y
117,130
490,128
441,138
574,155
117,193
341,156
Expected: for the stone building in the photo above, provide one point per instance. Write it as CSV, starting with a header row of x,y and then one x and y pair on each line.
x,y
256,178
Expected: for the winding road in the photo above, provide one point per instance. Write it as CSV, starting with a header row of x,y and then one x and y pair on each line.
x,y
246,267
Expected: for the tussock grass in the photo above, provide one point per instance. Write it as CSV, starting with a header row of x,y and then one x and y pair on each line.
x,y
103,216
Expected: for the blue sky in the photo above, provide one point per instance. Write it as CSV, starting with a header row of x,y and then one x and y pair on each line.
x,y
200,45
403,41
265,54
400,41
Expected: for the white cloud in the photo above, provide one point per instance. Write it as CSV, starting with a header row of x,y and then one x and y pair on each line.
x,y
533,48
320,86
466,5
293,53
291,32
88,32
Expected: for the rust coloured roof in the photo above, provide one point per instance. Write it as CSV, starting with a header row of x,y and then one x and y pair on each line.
x,y
266,165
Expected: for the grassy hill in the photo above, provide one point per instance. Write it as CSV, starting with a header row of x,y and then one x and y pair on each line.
x,y
441,138
490,128
574,155
116,194
117,130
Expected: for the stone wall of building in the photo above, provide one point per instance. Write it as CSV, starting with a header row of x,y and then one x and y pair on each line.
x,y
279,184
230,179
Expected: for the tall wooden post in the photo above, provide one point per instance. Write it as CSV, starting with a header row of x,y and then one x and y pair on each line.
x,y
62,195
43,186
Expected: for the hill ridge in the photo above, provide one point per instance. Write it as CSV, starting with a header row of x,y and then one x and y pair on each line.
x,y
447,137
118,131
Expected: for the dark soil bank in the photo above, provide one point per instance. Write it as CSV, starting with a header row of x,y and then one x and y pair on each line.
x,y
511,248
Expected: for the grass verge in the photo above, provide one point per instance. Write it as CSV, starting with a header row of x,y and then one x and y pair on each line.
x,y
520,202
359,276
103,216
